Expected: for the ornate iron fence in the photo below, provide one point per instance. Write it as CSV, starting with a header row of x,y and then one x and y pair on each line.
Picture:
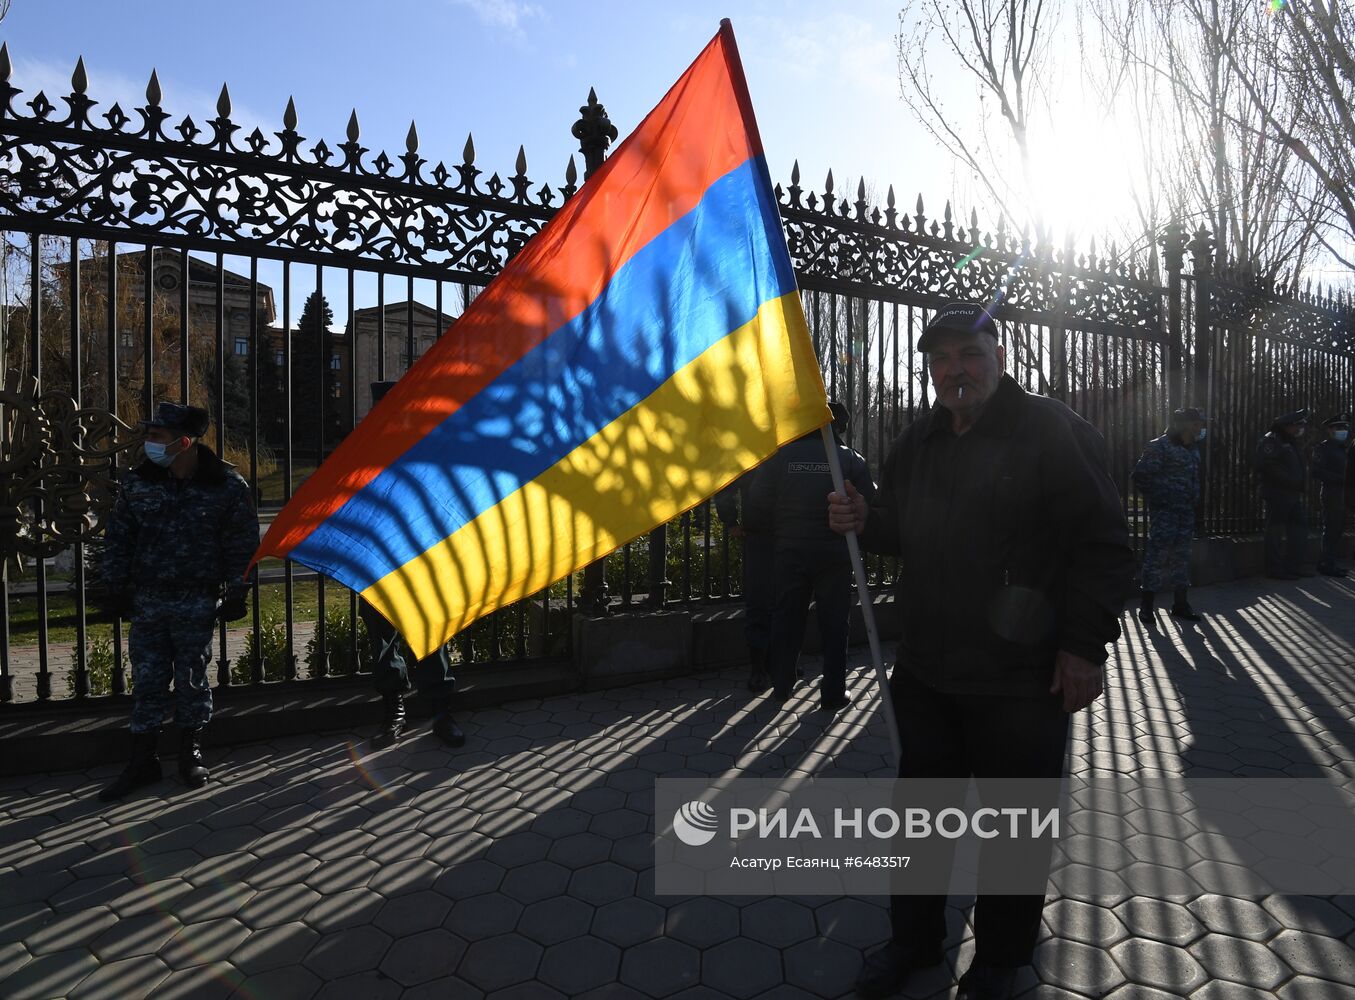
x,y
146,258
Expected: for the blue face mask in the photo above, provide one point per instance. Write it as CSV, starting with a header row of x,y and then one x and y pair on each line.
x,y
1200,436
159,453
1340,436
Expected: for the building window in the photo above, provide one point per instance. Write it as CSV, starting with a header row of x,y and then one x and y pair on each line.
x,y
336,391
335,363
241,345
278,358
125,339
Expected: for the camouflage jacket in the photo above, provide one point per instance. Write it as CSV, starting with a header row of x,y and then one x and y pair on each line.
x,y
1168,473
182,535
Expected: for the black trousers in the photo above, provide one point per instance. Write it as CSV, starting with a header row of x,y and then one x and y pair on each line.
x,y
978,736
824,574
1286,531
1333,524
432,676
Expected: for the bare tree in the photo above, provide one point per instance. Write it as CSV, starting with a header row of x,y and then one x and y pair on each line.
x,y
1003,47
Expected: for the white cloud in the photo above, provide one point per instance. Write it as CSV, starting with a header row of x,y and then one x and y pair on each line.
x,y
509,15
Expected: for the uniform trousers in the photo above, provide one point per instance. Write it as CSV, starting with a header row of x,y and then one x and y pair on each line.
x,y
1166,557
824,573
759,589
171,641
1333,524
1286,535
980,736
391,674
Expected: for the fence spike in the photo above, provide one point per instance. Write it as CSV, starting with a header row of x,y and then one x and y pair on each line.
x,y
223,102
919,203
468,154
353,131
861,190
522,161
571,171
412,138
889,197
5,68
79,79
153,93
828,184
289,118
946,216
795,173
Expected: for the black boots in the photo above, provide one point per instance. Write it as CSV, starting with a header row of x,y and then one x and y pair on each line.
x,y
1181,607
1146,607
446,729
758,681
191,769
392,719
143,769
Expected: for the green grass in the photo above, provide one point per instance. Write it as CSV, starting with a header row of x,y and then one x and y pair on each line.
x,y
23,612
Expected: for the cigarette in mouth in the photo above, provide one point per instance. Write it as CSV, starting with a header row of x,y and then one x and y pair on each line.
x,y
959,393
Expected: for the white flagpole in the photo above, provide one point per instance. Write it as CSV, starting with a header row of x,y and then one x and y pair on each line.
x,y
867,607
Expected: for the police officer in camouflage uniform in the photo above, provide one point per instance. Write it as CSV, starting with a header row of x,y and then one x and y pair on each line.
x,y
1168,477
1279,464
759,586
175,552
1330,459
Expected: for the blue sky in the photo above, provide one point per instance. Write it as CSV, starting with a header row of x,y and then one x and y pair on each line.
x,y
824,80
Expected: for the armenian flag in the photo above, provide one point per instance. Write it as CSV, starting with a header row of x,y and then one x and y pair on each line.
x,y
644,349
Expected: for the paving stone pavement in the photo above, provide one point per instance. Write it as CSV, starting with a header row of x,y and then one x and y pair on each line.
x,y
520,867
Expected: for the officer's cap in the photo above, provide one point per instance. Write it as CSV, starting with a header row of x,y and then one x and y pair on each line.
x,y
1340,420
379,389
189,420
966,317
841,418
1297,417
1189,415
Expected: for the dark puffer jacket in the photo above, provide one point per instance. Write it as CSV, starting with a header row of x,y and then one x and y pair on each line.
x,y
1013,541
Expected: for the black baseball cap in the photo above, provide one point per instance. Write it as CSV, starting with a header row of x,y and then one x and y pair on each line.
x,y
189,420
966,317
1188,415
1340,420
1297,417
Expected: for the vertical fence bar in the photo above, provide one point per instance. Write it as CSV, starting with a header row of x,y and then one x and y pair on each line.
x,y
81,656
351,327
255,661
35,347
320,666
223,671
119,685
288,578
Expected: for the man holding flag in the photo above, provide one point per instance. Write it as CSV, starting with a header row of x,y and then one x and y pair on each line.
x,y
1016,565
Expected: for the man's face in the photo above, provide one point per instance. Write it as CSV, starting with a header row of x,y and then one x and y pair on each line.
x,y
1295,431
1191,429
973,362
165,436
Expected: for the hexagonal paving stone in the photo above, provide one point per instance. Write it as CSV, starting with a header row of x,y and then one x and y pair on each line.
x,y
741,968
213,981
207,941
1308,913
627,922
519,848
274,948
347,951
1308,988
400,877
1077,967
130,977
1239,961
660,967
369,985
702,922
51,975
70,930
550,921
561,822
1316,955
423,957
340,874
469,879
535,881
602,883
1154,963
500,961
854,922
344,909
1159,920
777,921
483,916
134,936
579,850
1086,922
824,968
1236,917
293,981
579,965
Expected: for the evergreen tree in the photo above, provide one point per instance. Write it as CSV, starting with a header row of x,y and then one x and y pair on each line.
x,y
312,398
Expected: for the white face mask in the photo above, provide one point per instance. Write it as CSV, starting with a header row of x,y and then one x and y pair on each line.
x,y
159,453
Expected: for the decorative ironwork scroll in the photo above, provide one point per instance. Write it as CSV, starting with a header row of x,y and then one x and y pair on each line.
x,y
57,474
201,186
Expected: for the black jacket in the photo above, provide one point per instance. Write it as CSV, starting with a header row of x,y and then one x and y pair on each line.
x,y
1330,459
790,491
1013,541
1279,463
